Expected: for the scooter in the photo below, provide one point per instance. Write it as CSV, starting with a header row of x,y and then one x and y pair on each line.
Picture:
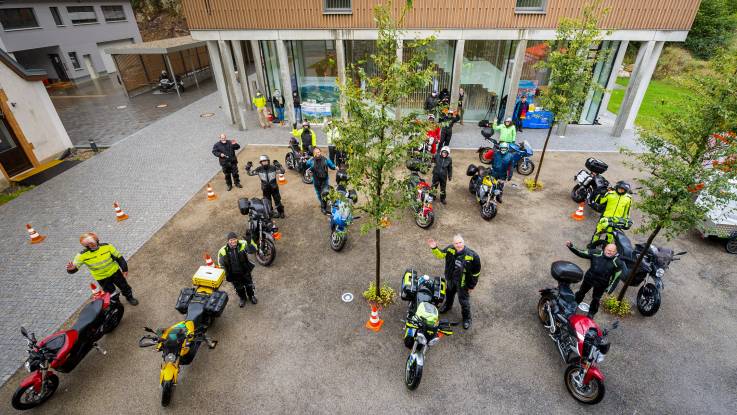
x,y
582,344
421,201
422,326
590,184
262,233
341,216
64,350
296,159
179,343
522,153
167,85
486,189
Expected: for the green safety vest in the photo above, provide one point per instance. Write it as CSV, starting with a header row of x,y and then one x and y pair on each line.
x,y
101,262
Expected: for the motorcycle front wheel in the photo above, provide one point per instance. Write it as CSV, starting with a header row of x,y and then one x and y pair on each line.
x,y
289,161
425,221
27,398
648,300
488,211
589,394
525,167
578,194
266,255
482,158
113,318
337,240
307,177
412,373
167,388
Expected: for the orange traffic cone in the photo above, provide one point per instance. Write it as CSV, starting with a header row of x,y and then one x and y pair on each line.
x,y
281,179
36,238
208,261
578,214
210,193
119,214
374,323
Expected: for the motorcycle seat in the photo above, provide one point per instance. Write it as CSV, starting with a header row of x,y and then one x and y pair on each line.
x,y
90,314
196,310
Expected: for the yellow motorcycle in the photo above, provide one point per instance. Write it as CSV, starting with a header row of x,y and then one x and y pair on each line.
x,y
179,343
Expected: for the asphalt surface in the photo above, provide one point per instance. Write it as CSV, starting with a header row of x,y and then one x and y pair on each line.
x,y
301,350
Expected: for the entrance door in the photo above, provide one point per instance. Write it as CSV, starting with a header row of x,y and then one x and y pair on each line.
x,y
12,157
89,66
58,67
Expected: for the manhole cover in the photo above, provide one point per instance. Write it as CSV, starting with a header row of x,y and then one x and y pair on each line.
x,y
207,114
347,297
121,107
162,105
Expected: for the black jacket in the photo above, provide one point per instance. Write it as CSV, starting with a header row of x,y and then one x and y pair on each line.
x,y
469,260
267,175
446,123
431,103
603,271
278,102
228,149
443,166
224,254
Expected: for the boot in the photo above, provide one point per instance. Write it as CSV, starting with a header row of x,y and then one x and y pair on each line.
x,y
467,324
254,300
238,185
131,300
242,302
230,187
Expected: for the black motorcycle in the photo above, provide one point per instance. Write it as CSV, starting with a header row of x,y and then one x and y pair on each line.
x,y
486,189
296,159
590,184
262,232
651,271
167,85
422,326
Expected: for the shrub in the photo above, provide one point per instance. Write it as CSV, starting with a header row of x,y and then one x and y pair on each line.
x,y
530,183
387,295
674,61
617,308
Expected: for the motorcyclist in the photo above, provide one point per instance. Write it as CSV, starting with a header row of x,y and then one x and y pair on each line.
x,y
307,137
164,76
507,131
501,167
604,273
233,259
433,134
269,185
617,210
462,270
332,134
319,166
442,172
446,131
431,103
224,150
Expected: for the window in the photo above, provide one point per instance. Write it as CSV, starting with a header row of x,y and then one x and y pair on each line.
x,y
57,17
75,60
530,6
20,18
113,13
82,14
337,7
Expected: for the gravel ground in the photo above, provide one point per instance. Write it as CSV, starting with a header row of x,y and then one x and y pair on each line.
x,y
301,350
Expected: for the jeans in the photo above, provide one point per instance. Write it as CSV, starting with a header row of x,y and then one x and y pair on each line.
x,y
116,280
320,185
518,124
298,114
280,113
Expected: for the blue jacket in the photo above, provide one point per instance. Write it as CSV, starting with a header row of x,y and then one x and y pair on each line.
x,y
328,165
501,165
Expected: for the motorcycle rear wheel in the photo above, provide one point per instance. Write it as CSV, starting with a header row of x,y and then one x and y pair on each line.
x,y
337,240
471,187
167,388
589,395
307,177
648,300
113,318
541,313
425,222
412,373
268,255
525,167
483,159
488,211
731,245
578,194
20,400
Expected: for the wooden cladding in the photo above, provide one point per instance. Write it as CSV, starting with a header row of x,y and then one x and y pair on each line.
x,y
434,14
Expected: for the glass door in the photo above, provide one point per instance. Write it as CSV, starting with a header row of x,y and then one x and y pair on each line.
x,y
484,76
601,73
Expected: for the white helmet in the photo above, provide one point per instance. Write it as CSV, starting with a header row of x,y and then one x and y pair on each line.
x,y
263,157
446,149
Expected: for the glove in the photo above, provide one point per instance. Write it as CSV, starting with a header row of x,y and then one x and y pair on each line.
x,y
249,165
276,163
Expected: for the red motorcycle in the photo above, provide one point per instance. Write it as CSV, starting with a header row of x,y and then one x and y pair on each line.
x,y
581,343
64,350
421,201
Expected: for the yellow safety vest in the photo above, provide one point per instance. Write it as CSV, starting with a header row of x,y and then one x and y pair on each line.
x,y
259,102
101,261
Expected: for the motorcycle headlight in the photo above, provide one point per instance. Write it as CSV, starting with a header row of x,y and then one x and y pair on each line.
x,y
28,365
599,357
497,191
434,341
660,272
170,358
421,339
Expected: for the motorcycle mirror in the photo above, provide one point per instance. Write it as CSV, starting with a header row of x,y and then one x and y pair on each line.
x,y
147,342
149,330
682,253
24,332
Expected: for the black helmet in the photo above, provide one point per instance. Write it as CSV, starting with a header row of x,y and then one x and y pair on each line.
x,y
341,176
622,185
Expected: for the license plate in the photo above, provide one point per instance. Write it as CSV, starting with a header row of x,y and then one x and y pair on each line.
x,y
582,176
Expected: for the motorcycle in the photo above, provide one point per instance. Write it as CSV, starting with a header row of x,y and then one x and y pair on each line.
x,y
422,326
590,184
582,344
651,271
422,200
262,233
167,85
486,189
522,152
179,343
64,350
341,216
296,159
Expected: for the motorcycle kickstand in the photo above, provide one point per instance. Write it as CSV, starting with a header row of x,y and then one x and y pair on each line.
x,y
99,349
210,342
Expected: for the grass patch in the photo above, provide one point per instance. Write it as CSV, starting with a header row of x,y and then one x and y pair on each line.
x,y
13,192
662,96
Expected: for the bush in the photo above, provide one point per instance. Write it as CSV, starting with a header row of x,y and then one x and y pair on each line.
x,y
530,183
387,295
617,308
713,28
674,61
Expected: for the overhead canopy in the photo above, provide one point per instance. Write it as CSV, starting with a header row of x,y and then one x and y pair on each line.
x,y
157,47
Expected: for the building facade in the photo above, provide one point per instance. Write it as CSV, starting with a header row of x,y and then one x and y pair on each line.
x,y
486,47
66,39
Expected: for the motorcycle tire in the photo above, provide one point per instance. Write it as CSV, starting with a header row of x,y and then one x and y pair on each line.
x,y
18,402
425,223
578,194
114,317
167,388
488,211
337,241
525,167
412,373
483,159
307,177
471,188
648,300
541,313
289,161
596,386
731,245
269,254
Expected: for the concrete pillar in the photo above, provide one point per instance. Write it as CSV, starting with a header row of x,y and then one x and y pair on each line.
x,y
647,74
455,85
645,50
237,105
519,61
340,61
173,75
400,58
613,76
256,50
286,80
217,73
242,74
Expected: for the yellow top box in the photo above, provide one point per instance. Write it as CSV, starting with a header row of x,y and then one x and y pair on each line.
x,y
208,277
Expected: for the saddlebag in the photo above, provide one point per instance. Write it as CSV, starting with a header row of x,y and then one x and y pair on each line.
x,y
243,205
568,272
185,296
472,170
487,132
438,295
216,303
409,285
595,165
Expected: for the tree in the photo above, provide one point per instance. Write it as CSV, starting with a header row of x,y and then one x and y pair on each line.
x,y
376,142
689,157
571,68
713,28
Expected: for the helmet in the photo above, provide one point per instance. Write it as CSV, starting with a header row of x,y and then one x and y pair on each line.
x,y
431,117
87,235
504,147
509,119
341,176
445,149
622,185
423,280
263,157
305,123
163,72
